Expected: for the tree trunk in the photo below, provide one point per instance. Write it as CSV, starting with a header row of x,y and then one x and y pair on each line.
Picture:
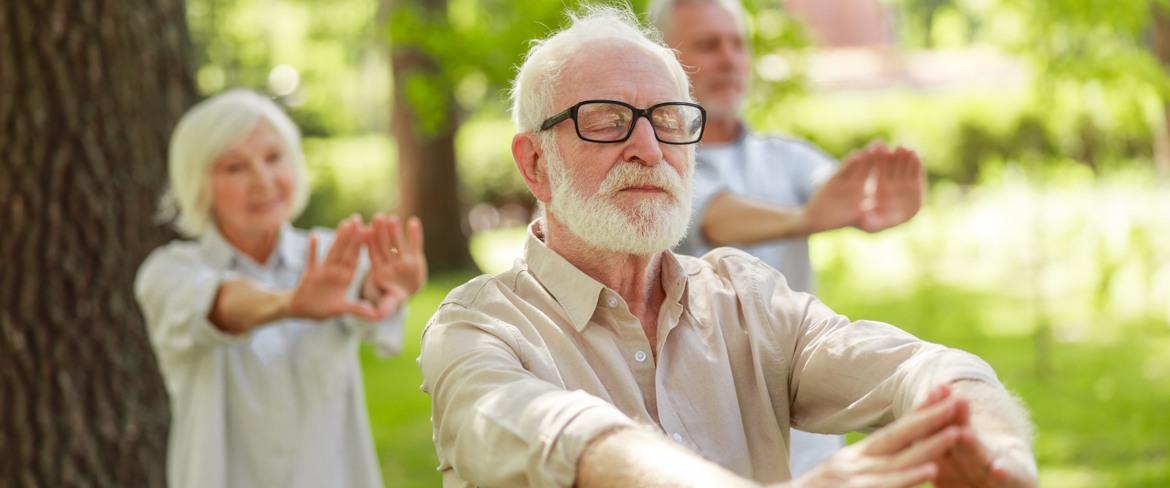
x,y
1160,45
428,183
89,92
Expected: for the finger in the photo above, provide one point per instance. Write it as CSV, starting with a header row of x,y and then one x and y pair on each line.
x,y
394,232
386,235
971,456
414,235
902,157
928,450
908,477
373,241
389,303
311,259
886,169
360,310
340,236
353,245
937,394
857,166
1013,472
369,240
912,427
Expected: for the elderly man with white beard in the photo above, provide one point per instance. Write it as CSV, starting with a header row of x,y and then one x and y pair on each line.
x,y
603,359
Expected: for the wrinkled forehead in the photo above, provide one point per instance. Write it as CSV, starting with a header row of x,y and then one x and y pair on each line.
x,y
617,69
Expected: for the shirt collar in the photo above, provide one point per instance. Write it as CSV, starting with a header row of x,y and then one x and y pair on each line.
x,y
225,255
578,293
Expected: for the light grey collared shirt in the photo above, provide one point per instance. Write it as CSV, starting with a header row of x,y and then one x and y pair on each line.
x,y
771,169
281,406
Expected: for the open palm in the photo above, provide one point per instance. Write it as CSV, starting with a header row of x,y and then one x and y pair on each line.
x,y
837,203
323,290
398,266
898,187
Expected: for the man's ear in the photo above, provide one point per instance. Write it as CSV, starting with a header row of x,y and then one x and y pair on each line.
x,y
527,153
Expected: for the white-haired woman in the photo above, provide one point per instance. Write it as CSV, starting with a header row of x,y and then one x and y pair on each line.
x,y
255,331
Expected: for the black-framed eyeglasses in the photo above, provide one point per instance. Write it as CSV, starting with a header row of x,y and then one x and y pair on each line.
x,y
608,121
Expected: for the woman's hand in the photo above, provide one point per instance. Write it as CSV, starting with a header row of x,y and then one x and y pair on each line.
x,y
321,293
398,266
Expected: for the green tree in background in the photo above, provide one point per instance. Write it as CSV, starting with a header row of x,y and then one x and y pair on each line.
x,y
448,57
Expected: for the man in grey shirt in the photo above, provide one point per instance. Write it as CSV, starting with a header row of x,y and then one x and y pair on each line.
x,y
767,194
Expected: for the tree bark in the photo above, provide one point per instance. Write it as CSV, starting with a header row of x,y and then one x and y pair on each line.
x,y
428,182
89,92
1160,45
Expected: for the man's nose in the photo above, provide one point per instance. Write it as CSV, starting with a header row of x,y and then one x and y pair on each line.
x,y
643,147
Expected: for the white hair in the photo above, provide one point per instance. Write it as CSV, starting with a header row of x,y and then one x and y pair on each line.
x,y
660,13
204,133
533,88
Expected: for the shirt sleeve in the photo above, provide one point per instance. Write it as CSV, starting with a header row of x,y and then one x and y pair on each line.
x,y
847,376
811,167
176,291
497,424
385,335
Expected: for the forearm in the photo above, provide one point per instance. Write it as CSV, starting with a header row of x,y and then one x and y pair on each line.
x,y
241,306
731,219
630,457
996,415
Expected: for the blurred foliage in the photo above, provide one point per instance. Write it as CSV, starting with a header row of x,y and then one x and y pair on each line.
x,y
962,135
1097,97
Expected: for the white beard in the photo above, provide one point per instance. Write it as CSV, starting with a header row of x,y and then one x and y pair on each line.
x,y
653,225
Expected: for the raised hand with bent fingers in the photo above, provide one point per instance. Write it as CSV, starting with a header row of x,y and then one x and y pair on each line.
x,y
322,291
898,187
398,266
874,189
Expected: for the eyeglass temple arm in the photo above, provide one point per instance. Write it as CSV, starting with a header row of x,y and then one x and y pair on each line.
x,y
556,119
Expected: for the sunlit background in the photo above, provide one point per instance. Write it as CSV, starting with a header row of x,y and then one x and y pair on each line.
x,y
1044,246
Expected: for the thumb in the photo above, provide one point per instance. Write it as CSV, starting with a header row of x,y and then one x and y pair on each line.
x,y
360,310
389,303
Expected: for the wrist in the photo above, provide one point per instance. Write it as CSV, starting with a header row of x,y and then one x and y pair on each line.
x,y
802,224
283,305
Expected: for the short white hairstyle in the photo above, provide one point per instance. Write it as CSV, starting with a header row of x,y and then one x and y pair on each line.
x,y
537,78
202,135
660,13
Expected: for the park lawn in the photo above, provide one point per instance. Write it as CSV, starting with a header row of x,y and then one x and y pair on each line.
x,y
399,411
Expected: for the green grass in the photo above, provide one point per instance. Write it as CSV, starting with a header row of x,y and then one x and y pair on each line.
x,y
399,411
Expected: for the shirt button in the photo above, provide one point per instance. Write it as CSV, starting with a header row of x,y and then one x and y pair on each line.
x,y
676,436
612,302
640,357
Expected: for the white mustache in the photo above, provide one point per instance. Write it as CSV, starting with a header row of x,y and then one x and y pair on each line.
x,y
628,175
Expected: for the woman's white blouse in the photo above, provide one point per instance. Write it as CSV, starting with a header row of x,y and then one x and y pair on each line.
x,y
282,406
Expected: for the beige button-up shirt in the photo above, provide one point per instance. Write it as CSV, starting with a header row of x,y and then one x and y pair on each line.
x,y
525,367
